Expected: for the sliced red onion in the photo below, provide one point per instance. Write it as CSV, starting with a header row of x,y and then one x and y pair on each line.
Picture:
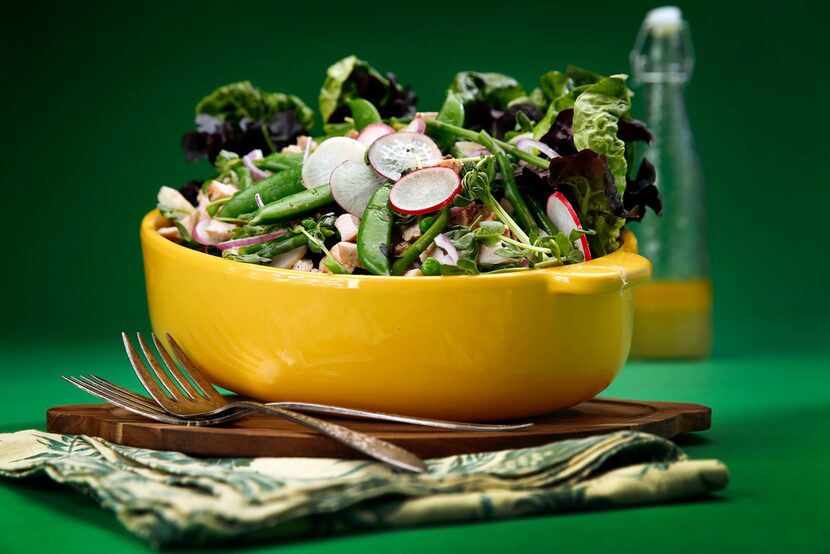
x,y
478,153
258,200
257,174
442,242
248,241
417,125
307,149
528,145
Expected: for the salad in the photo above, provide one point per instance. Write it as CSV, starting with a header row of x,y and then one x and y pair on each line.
x,y
498,179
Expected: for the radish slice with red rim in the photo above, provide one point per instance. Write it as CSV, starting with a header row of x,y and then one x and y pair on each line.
x,y
330,154
394,154
425,190
373,132
564,218
352,184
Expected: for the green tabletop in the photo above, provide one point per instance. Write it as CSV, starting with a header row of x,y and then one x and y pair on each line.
x,y
771,420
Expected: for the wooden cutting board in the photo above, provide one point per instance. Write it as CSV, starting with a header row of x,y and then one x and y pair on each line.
x,y
264,435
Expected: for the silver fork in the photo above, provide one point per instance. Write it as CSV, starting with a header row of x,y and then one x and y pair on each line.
x,y
196,397
92,383
141,405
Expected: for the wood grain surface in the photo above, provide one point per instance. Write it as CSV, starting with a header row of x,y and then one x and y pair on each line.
x,y
265,435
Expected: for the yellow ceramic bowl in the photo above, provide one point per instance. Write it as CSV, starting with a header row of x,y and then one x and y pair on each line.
x,y
488,347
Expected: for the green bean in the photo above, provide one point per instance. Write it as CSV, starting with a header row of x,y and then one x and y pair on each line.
x,y
375,232
511,192
280,245
363,112
293,206
423,242
271,188
541,216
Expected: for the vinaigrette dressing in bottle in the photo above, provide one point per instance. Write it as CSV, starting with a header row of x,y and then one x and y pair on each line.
x,y
672,313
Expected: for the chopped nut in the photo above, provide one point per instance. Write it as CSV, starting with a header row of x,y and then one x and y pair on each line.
x,y
414,273
400,248
463,216
303,265
347,225
345,253
352,134
302,142
451,163
170,233
219,230
218,191
411,232
171,199
289,259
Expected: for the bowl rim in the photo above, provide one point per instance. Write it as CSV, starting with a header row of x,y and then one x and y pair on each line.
x,y
621,269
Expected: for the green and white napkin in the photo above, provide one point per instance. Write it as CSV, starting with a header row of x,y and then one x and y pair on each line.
x,y
168,498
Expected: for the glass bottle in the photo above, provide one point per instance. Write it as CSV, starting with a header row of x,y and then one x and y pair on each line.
x,y
672,313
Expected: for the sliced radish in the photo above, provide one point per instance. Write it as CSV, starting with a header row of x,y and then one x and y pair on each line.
x,y
563,216
373,132
425,190
352,184
393,154
331,153
417,125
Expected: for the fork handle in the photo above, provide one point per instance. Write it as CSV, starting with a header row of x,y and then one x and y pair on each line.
x,y
381,416
371,446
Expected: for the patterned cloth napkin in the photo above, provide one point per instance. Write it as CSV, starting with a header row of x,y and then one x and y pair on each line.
x,y
168,498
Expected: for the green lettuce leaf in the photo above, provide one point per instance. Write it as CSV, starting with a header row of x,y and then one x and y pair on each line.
x,y
555,84
480,93
352,77
243,100
597,111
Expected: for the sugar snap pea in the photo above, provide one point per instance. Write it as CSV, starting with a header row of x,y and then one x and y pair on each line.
x,y
280,161
271,188
375,232
423,242
363,112
293,206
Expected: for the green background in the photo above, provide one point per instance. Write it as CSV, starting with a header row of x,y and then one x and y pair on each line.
x,y
95,98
